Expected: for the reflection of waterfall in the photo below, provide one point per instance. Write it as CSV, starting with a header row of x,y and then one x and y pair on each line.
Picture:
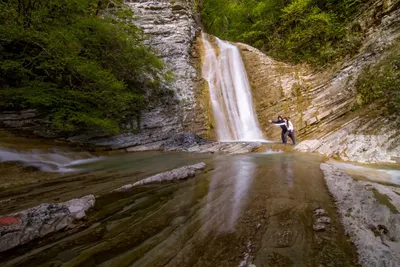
x,y
244,174
285,169
227,194
55,161
230,92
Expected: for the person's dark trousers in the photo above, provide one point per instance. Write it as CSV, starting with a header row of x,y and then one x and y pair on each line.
x,y
291,135
284,138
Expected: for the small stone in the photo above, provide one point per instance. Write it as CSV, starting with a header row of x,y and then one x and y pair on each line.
x,y
319,212
324,220
80,215
369,187
319,227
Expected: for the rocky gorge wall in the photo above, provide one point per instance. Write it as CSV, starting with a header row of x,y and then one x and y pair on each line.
x,y
321,103
169,28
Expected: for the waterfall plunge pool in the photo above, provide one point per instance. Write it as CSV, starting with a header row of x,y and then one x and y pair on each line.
x,y
256,208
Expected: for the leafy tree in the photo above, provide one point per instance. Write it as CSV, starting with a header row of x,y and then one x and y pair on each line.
x,y
312,31
79,61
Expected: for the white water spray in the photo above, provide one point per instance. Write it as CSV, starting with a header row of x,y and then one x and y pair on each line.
x,y
230,92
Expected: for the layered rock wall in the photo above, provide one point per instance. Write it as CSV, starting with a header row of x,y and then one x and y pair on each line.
x,y
170,29
320,103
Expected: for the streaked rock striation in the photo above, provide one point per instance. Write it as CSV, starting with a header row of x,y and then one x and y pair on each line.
x,y
321,103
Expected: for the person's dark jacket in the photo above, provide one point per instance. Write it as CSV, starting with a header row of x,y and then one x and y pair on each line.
x,y
282,124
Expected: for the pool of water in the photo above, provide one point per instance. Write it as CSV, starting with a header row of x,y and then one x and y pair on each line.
x,y
255,208
376,173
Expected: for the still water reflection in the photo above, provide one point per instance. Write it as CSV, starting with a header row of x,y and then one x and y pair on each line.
x,y
256,208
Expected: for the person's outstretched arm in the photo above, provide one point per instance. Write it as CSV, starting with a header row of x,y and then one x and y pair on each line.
x,y
278,122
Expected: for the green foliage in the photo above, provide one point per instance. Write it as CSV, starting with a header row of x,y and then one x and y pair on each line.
x,y
80,61
310,31
382,81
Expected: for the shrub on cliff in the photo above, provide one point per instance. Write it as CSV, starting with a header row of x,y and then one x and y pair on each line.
x,y
79,61
382,81
294,30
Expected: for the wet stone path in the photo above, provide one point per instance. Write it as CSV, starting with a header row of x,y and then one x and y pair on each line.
x,y
266,210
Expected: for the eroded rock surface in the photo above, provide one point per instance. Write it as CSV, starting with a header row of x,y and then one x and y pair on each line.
x,y
170,28
176,174
320,103
24,226
370,215
362,140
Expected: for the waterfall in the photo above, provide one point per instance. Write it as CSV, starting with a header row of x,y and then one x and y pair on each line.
x,y
230,92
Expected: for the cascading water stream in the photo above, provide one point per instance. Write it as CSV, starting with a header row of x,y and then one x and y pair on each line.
x,y
230,92
49,161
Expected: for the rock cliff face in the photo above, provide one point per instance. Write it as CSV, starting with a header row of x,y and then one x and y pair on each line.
x,y
320,104
169,28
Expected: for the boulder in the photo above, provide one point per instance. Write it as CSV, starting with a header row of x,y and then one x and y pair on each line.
x,y
24,226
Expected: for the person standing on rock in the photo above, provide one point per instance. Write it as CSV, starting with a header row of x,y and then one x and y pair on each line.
x,y
290,130
282,123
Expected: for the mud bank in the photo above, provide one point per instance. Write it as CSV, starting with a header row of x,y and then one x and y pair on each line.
x,y
370,214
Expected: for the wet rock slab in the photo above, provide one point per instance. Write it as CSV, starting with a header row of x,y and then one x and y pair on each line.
x,y
353,142
370,215
190,142
175,174
21,227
